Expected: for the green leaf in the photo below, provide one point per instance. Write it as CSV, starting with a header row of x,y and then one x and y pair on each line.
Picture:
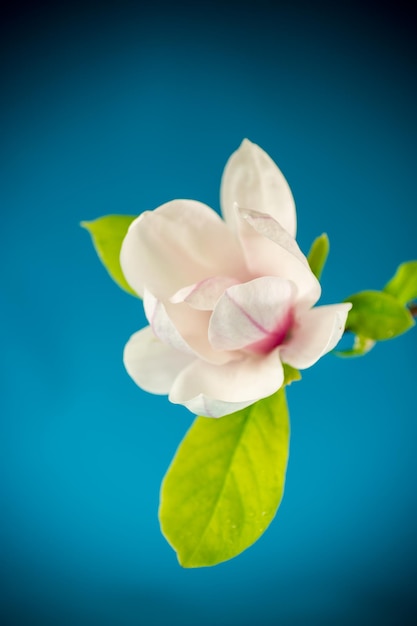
x,y
225,483
377,315
318,254
361,346
107,234
403,286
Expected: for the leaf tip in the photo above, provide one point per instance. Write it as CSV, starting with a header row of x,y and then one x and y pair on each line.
x,y
318,254
86,225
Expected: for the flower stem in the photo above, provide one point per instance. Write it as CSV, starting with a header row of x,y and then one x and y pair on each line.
x,y
413,309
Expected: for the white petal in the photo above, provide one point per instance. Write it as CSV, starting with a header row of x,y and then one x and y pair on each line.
x,y
256,315
161,324
271,251
180,243
151,364
215,391
315,333
183,328
252,179
271,228
205,294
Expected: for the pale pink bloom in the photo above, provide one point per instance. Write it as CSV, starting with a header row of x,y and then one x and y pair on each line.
x,y
227,301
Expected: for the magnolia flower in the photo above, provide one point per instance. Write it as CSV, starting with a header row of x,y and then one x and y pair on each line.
x,y
228,302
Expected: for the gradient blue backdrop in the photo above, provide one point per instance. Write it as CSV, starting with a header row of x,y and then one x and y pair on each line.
x,y
109,109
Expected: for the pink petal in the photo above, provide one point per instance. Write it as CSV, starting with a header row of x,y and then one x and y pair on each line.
x,y
252,179
271,251
315,333
215,391
151,364
256,315
205,294
180,243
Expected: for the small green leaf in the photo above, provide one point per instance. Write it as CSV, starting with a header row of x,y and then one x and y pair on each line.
x,y
361,346
107,234
318,254
291,374
377,315
403,286
225,483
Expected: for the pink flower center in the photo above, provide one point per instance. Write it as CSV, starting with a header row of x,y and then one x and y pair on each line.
x,y
273,338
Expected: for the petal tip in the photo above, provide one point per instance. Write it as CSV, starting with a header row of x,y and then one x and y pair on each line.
x,y
246,144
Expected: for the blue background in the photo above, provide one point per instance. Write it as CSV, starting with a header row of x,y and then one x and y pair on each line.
x,y
109,109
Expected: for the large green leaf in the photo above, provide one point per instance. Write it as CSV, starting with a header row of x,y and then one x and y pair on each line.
x,y
225,483
403,286
377,315
318,254
107,234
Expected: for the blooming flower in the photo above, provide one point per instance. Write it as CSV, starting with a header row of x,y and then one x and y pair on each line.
x,y
228,302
